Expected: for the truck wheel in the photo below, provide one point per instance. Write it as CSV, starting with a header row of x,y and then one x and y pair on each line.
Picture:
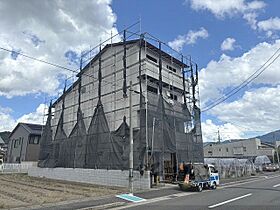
x,y
181,186
199,188
214,186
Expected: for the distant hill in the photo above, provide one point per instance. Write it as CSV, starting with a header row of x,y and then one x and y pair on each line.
x,y
270,137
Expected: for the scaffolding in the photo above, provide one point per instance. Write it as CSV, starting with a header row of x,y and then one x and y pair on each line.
x,y
87,127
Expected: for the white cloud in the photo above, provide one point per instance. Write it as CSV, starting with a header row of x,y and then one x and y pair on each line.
x,y
222,8
229,72
230,8
257,110
70,27
37,117
228,44
8,123
227,131
270,25
190,38
251,19
6,120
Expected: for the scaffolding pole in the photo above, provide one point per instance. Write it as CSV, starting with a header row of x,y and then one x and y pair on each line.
x,y
130,141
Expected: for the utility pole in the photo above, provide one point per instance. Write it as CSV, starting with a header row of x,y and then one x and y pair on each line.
x,y
131,141
277,152
219,137
276,149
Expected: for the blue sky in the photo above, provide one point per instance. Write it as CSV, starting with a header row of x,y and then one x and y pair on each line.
x,y
229,40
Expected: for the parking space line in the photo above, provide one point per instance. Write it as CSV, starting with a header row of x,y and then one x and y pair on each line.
x,y
228,201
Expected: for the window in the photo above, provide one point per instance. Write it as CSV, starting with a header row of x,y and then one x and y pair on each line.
x,y
220,149
227,149
210,152
16,143
171,68
34,139
173,96
244,149
151,58
152,89
83,90
212,170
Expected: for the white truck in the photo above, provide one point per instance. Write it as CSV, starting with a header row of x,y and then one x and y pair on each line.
x,y
198,176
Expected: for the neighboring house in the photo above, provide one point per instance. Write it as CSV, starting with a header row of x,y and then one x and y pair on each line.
x,y
24,143
2,143
241,148
4,140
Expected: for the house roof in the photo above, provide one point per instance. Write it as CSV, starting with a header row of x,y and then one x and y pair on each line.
x,y
96,57
1,140
268,144
35,129
4,137
229,141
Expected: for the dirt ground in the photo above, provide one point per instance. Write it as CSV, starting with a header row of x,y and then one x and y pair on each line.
x,y
20,190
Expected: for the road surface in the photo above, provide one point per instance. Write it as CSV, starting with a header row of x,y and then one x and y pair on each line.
x,y
254,194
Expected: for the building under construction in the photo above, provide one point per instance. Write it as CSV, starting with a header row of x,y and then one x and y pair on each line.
x,y
88,125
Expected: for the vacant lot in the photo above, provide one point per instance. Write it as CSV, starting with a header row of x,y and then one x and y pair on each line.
x,y
17,190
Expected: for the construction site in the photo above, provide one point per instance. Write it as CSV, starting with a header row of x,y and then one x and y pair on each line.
x,y
131,93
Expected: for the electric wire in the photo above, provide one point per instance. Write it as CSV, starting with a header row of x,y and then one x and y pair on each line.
x,y
252,77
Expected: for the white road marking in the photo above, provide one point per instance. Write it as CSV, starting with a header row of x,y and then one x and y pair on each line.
x,y
228,201
277,185
157,199
247,182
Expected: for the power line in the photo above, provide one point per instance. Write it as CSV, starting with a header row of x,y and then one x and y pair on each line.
x,y
77,71
244,83
40,60
47,62
66,68
250,77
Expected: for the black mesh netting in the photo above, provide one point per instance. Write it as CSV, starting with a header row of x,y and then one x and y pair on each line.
x,y
46,146
101,148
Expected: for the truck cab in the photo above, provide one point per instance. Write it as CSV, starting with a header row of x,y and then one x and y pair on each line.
x,y
214,176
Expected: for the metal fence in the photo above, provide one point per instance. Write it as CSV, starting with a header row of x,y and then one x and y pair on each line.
x,y
232,167
16,167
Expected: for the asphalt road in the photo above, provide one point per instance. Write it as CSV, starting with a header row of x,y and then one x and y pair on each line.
x,y
260,194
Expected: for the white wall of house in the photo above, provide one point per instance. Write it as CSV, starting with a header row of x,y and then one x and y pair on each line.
x,y
239,148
